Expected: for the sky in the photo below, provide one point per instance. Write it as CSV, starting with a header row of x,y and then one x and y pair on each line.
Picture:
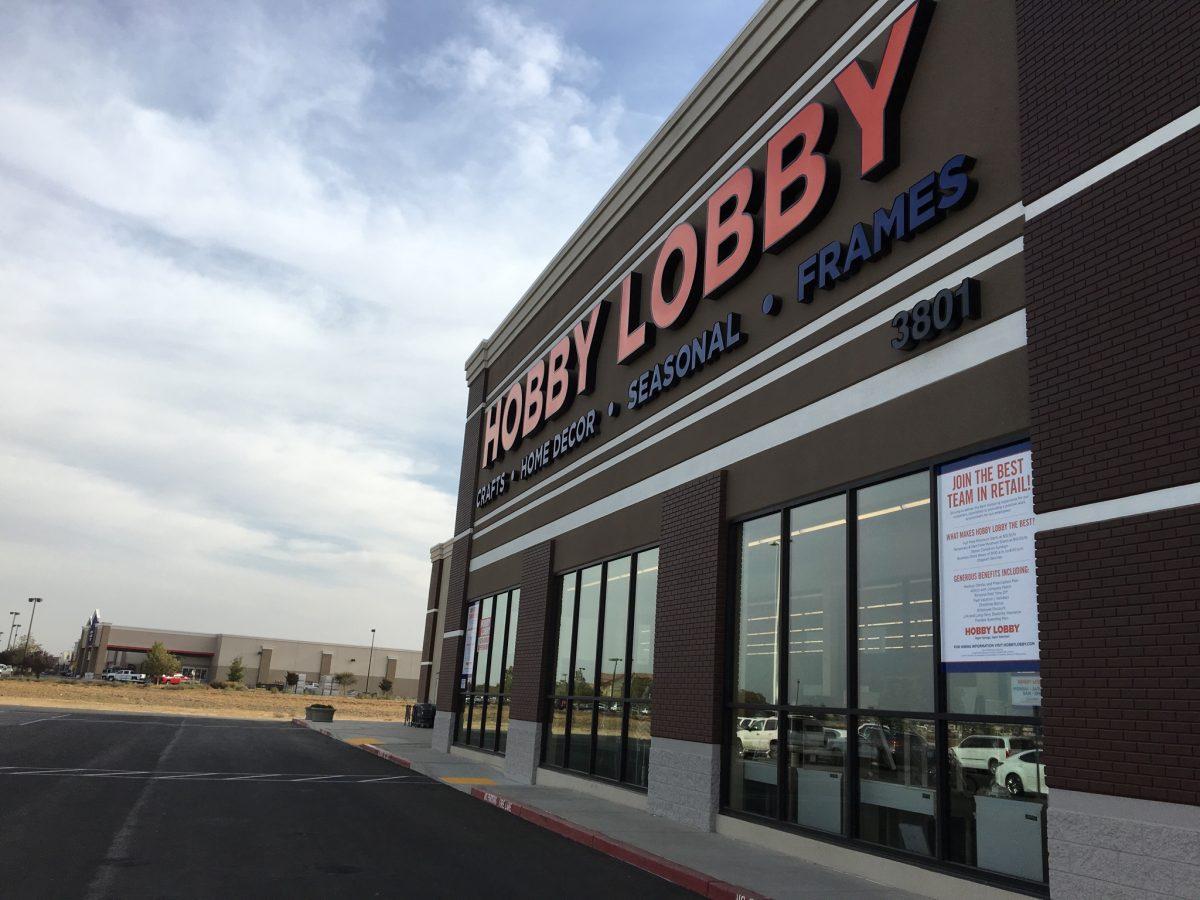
x,y
245,251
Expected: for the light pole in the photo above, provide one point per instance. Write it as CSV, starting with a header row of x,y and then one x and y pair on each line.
x,y
29,632
370,656
12,635
11,632
612,685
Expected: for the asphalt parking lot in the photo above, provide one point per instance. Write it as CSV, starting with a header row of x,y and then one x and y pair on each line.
x,y
101,805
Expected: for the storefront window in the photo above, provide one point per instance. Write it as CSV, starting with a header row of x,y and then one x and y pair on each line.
x,y
604,669
753,767
486,679
895,595
816,771
841,734
641,672
757,669
997,797
817,603
897,772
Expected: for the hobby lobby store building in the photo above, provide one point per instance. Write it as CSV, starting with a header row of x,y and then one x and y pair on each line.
x,y
835,487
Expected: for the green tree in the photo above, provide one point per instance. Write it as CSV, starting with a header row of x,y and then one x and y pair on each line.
x,y
344,680
385,686
236,670
39,661
15,655
159,662
292,679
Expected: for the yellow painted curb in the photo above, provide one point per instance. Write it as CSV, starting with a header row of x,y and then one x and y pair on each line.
x,y
468,781
358,742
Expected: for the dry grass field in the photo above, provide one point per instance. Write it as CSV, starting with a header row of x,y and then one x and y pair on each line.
x,y
198,700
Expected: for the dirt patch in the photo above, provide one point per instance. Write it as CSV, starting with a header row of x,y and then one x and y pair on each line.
x,y
197,700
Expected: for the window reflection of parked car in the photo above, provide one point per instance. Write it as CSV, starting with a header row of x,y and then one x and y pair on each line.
x,y
985,752
1023,773
758,737
806,733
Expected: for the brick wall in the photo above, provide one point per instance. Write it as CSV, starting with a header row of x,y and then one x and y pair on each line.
x,y
1120,635
455,620
431,635
535,633
1111,280
1094,77
689,642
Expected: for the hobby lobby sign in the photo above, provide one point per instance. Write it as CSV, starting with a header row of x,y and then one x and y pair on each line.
x,y
751,212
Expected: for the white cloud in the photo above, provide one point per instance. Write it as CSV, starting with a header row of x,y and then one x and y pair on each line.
x,y
242,258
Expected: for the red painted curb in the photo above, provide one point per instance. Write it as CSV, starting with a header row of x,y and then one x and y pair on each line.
x,y
692,880
370,748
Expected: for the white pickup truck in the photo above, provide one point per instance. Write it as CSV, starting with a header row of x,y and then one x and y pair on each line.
x,y
127,675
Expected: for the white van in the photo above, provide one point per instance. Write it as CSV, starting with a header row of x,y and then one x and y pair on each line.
x,y
985,752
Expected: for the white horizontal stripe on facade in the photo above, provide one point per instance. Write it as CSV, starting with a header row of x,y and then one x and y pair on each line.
x,y
639,251
1121,507
1115,163
989,342
431,609
972,269
427,663
450,634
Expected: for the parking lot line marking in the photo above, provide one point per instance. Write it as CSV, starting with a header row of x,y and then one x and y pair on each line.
x,y
47,719
44,772
468,780
261,777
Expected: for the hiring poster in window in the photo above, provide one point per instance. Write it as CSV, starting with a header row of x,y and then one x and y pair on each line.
x,y
468,666
988,580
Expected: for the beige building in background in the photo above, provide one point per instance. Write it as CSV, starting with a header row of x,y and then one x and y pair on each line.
x,y
266,660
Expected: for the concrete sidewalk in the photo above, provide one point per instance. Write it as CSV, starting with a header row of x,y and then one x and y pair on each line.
x,y
710,864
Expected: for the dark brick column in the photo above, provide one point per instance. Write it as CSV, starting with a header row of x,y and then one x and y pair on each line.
x,y
455,621
535,633
689,641
1120,642
689,654
431,635
536,621
1111,278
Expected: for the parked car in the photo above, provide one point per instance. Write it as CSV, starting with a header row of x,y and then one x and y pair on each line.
x,y
1023,773
177,678
125,675
985,752
5,669
757,736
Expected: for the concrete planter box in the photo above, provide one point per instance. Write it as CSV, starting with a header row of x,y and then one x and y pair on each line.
x,y
318,712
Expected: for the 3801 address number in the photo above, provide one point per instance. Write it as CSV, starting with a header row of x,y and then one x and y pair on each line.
x,y
929,318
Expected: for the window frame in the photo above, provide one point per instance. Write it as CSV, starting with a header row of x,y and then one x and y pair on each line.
x,y
855,714
626,700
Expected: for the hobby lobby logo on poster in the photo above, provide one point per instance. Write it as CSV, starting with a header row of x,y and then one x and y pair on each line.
x,y
751,212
